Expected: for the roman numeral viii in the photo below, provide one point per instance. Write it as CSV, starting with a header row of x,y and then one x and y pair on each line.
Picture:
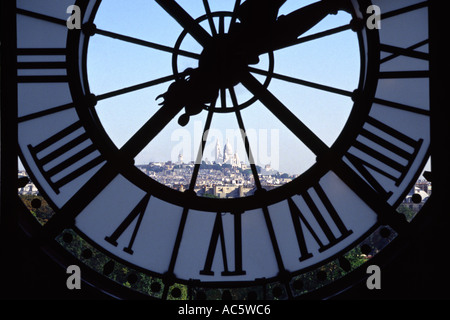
x,y
319,225
65,156
391,161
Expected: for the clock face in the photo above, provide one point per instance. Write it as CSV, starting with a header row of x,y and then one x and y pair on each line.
x,y
99,106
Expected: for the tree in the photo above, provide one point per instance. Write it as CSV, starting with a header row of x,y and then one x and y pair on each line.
x,y
209,195
408,212
38,207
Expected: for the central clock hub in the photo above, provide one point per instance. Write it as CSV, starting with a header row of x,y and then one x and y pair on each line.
x,y
223,61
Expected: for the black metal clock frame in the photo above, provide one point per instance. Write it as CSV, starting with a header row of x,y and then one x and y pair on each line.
x,y
15,224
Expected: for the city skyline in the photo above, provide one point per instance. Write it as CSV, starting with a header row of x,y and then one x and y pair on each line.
x,y
115,64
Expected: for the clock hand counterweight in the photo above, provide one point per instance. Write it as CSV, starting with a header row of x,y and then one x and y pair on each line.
x,y
192,89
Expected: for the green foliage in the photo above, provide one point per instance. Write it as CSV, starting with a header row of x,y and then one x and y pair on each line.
x,y
114,270
153,286
408,212
209,195
38,207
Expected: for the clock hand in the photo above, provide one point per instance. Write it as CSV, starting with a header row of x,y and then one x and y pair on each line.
x,y
260,31
192,89
288,28
257,14
257,18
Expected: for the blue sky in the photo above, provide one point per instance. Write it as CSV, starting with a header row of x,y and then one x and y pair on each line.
x,y
114,64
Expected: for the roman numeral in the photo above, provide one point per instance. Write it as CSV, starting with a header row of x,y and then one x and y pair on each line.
x,y
402,17
401,106
377,160
403,10
44,17
41,65
407,52
332,221
60,156
404,74
45,112
217,234
138,212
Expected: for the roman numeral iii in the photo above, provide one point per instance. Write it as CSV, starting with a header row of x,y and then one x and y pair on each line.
x,y
41,65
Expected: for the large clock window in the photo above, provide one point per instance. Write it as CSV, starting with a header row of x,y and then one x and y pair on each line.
x,y
139,128
313,78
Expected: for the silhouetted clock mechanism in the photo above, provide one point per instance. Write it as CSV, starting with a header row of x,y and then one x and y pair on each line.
x,y
306,237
